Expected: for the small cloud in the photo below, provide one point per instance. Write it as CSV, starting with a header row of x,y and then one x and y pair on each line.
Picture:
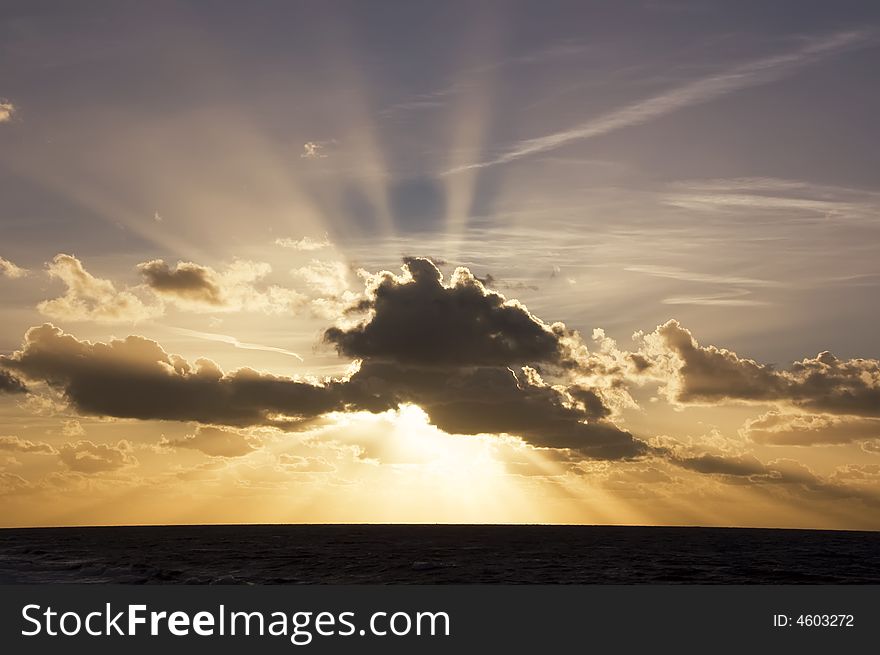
x,y
89,298
18,445
135,378
88,457
306,243
7,268
324,278
215,442
157,216
820,385
313,150
10,483
298,464
7,111
73,428
241,286
187,280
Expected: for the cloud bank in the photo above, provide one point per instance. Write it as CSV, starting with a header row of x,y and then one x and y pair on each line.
x,y
135,378
461,352
473,360
695,374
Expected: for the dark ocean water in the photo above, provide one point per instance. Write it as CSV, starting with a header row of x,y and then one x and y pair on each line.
x,y
412,554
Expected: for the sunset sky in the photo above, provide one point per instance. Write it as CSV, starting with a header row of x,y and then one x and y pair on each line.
x,y
544,262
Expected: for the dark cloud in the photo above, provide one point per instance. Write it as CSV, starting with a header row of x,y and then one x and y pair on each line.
x,y
742,465
640,363
458,351
589,401
215,442
739,469
824,384
828,384
88,457
136,378
434,259
186,280
495,400
467,356
11,384
490,280
418,320
712,374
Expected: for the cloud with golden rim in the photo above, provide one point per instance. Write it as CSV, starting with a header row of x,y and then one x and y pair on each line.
x,y
19,445
473,360
89,298
216,442
241,286
695,374
10,270
89,458
7,111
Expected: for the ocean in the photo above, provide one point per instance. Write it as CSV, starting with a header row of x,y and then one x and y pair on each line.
x,y
436,554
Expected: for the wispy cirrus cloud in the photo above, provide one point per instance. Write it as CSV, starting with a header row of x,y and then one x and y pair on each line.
x,y
772,195
693,276
731,298
760,71
735,290
464,81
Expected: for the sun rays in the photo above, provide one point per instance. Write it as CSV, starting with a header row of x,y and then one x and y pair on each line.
x,y
264,213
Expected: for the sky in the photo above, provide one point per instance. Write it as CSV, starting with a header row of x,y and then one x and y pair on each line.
x,y
468,262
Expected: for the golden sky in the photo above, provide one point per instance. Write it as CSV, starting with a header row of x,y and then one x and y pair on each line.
x,y
313,264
